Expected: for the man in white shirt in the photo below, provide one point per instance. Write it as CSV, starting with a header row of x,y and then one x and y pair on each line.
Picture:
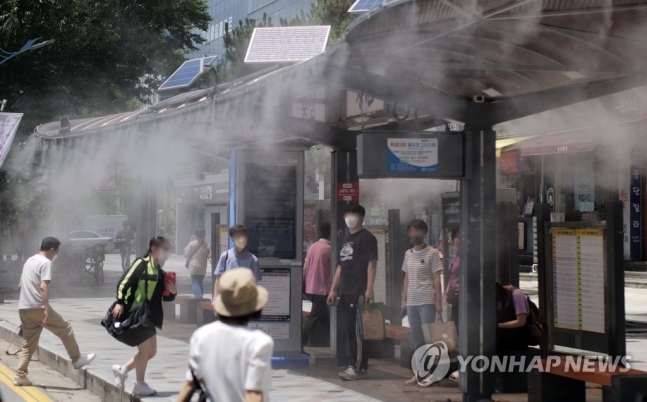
x,y
36,313
230,362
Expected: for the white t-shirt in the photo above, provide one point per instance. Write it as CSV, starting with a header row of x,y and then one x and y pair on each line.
x,y
231,360
420,267
36,269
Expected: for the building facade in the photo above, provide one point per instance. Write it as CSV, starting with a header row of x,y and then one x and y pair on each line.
x,y
231,12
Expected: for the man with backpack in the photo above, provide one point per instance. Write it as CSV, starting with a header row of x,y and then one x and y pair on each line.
x,y
197,254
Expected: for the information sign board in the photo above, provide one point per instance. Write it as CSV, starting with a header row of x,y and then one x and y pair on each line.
x,y
275,319
578,279
414,155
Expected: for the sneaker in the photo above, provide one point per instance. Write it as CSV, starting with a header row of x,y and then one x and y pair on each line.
x,y
349,371
454,376
142,389
350,374
120,376
21,382
84,360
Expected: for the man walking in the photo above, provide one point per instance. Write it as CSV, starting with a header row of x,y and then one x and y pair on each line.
x,y
355,277
229,361
36,313
237,256
316,273
123,240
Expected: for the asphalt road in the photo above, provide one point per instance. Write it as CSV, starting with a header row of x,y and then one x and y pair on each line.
x,y
49,385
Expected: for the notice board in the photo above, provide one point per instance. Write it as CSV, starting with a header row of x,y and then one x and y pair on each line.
x,y
275,318
584,284
411,155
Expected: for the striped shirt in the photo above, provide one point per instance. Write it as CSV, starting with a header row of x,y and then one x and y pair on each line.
x,y
420,266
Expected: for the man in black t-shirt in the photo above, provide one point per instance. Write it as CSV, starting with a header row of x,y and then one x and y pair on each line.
x,y
355,277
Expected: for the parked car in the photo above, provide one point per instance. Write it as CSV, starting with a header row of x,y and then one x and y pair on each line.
x,y
82,241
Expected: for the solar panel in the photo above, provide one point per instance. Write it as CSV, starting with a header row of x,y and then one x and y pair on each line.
x,y
188,72
361,6
286,44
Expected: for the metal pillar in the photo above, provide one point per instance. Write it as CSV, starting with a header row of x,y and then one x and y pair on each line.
x,y
344,170
394,278
147,219
542,212
507,245
478,262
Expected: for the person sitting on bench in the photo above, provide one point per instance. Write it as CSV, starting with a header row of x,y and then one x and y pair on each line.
x,y
512,312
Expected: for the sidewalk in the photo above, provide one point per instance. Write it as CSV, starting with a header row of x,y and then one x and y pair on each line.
x,y
166,371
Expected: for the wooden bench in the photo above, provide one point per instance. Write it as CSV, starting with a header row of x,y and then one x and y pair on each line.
x,y
169,307
206,313
561,383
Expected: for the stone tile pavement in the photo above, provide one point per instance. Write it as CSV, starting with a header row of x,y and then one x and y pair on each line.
x,y
166,370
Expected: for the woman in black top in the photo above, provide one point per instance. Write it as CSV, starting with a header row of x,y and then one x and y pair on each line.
x,y
145,276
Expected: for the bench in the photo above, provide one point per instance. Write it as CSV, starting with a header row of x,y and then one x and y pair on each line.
x,y
169,307
206,313
562,383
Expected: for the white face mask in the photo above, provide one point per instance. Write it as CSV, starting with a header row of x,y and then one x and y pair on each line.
x,y
163,255
241,243
351,222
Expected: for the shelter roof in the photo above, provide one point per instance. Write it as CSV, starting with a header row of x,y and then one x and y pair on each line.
x,y
481,62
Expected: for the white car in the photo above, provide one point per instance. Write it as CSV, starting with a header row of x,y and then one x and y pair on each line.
x,y
85,240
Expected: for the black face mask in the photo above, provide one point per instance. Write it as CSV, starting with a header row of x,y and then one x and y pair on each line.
x,y
417,241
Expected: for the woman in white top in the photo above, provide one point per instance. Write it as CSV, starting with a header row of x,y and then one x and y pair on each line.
x,y
231,362
421,294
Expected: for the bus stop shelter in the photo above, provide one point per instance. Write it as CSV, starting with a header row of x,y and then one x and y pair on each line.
x,y
480,62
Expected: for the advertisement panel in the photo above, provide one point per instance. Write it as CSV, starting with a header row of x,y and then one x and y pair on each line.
x,y
8,126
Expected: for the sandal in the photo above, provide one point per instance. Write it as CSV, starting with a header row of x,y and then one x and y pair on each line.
x,y
412,381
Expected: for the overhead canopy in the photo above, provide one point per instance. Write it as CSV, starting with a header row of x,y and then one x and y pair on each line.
x,y
479,62
572,141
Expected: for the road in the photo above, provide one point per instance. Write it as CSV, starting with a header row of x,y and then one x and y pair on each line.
x,y
49,384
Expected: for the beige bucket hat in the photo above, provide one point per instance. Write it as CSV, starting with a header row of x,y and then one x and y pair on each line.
x,y
238,294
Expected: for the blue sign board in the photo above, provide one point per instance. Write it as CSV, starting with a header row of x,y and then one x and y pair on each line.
x,y
412,155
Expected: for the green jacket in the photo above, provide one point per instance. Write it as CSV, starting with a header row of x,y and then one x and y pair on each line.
x,y
132,286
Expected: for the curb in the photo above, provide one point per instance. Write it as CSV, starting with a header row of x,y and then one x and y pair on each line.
x,y
89,380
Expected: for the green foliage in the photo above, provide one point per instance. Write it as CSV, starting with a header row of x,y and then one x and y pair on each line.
x,y
108,56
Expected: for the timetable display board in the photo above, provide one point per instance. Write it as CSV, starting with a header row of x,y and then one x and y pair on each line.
x,y
578,279
582,284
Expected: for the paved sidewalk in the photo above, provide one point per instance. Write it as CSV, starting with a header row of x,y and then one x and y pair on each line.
x,y
166,371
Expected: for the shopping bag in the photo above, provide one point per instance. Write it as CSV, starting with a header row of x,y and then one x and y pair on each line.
x,y
445,332
373,321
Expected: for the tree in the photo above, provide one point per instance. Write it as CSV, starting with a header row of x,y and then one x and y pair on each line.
x,y
326,12
109,56
236,42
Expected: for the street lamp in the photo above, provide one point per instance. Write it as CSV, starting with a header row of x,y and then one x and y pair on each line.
x,y
30,45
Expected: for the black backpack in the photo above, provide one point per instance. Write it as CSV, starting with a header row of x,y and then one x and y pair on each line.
x,y
535,323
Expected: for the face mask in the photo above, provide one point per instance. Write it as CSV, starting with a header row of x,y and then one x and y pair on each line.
x,y
241,243
417,241
163,255
55,257
351,222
